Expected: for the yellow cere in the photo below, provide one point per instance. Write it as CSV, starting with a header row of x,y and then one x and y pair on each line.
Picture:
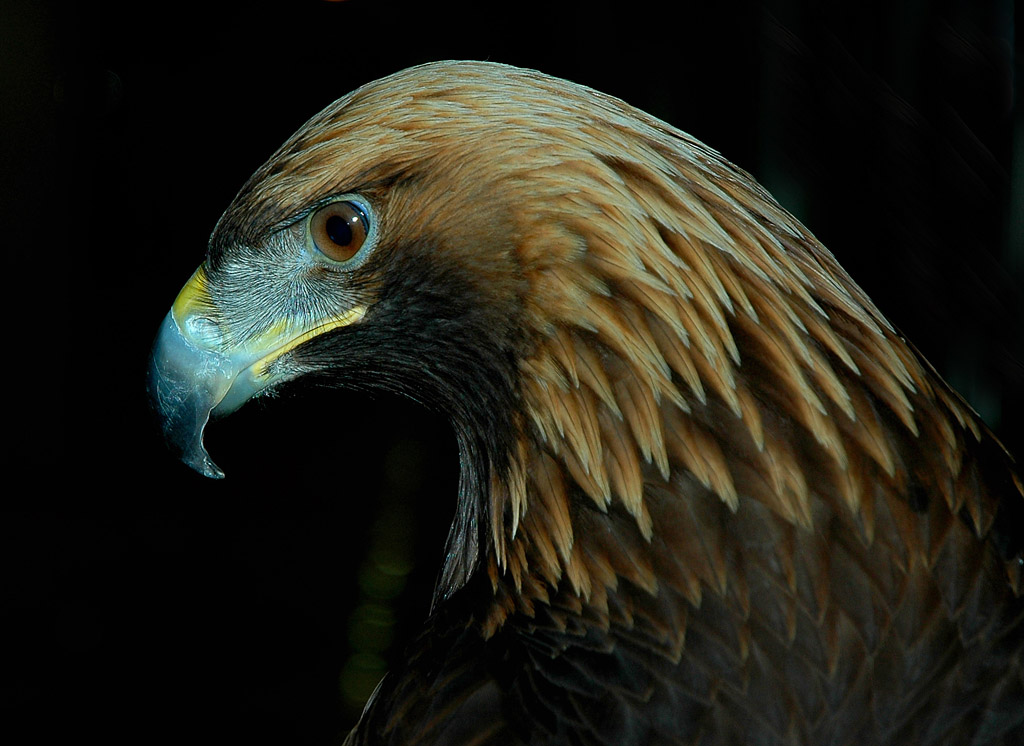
x,y
192,297
349,317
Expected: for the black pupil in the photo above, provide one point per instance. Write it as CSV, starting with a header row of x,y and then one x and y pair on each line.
x,y
339,230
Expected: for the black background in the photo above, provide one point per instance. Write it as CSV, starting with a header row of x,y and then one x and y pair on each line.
x,y
143,603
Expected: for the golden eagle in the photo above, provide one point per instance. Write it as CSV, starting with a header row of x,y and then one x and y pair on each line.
x,y
708,494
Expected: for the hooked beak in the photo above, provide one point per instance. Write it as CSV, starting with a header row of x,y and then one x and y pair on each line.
x,y
197,369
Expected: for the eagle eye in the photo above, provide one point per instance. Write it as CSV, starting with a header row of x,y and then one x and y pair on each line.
x,y
339,230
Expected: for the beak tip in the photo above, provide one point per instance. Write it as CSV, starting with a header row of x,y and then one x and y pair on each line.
x,y
203,464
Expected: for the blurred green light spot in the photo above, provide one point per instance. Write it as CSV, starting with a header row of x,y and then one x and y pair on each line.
x,y
360,676
371,628
382,576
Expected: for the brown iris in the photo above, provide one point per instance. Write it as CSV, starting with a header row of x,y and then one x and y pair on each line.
x,y
339,230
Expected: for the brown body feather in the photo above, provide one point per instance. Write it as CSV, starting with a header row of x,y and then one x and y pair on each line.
x,y
736,506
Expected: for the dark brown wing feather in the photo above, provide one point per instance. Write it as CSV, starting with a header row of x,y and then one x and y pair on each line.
x,y
790,636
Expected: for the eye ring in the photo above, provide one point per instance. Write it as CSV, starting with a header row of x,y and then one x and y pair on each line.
x,y
340,230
